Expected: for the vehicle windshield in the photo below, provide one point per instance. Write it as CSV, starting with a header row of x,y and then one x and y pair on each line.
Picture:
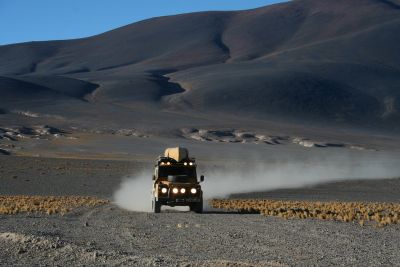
x,y
163,172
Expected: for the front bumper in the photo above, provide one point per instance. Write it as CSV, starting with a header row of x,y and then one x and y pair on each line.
x,y
179,201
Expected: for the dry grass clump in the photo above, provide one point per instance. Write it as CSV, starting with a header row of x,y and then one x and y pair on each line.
x,y
360,212
47,204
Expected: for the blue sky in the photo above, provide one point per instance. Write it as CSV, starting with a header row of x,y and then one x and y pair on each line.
x,y
37,20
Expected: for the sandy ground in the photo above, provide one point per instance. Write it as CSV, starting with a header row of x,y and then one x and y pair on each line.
x,y
52,176
108,235
101,178
111,236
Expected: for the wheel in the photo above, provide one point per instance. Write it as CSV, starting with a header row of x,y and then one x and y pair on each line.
x,y
198,207
156,206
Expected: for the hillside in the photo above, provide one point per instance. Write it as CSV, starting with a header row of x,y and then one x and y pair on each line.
x,y
332,62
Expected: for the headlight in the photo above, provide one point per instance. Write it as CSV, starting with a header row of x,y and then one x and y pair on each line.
x,y
175,190
168,163
164,190
190,163
185,163
183,190
193,190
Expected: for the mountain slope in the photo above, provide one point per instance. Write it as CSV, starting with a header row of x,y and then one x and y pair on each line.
x,y
306,60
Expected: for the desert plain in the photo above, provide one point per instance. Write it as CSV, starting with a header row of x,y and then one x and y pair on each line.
x,y
108,234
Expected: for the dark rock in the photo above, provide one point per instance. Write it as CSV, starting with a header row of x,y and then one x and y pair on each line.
x,y
4,152
335,145
189,130
22,250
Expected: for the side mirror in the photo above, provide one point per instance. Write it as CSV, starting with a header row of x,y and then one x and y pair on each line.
x,y
201,178
154,177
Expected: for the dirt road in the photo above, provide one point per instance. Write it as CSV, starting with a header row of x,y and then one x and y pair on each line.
x,y
111,236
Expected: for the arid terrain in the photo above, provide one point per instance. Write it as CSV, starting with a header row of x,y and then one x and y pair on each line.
x,y
295,103
106,234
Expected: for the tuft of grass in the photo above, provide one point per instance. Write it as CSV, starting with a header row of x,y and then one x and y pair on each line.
x,y
46,204
381,214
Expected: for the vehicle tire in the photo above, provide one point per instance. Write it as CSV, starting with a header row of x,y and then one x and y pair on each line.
x,y
156,206
198,207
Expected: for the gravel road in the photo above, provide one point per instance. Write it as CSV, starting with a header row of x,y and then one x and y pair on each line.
x,y
111,236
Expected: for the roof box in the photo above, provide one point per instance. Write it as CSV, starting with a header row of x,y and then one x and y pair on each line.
x,y
177,153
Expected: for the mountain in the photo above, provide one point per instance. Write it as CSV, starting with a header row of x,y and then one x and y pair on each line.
x,y
328,62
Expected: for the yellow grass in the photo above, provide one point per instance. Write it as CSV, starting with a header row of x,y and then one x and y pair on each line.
x,y
360,212
46,204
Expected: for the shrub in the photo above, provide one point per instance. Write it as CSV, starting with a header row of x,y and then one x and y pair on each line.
x,y
380,213
46,204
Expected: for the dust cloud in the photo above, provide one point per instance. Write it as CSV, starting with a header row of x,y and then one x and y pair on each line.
x,y
134,192
245,179
222,180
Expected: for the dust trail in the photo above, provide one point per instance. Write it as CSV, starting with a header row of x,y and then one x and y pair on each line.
x,y
245,179
224,179
134,192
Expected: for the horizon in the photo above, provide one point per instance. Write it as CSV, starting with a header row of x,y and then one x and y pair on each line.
x,y
47,20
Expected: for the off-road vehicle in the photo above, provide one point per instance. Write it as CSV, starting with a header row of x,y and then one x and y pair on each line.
x,y
175,181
